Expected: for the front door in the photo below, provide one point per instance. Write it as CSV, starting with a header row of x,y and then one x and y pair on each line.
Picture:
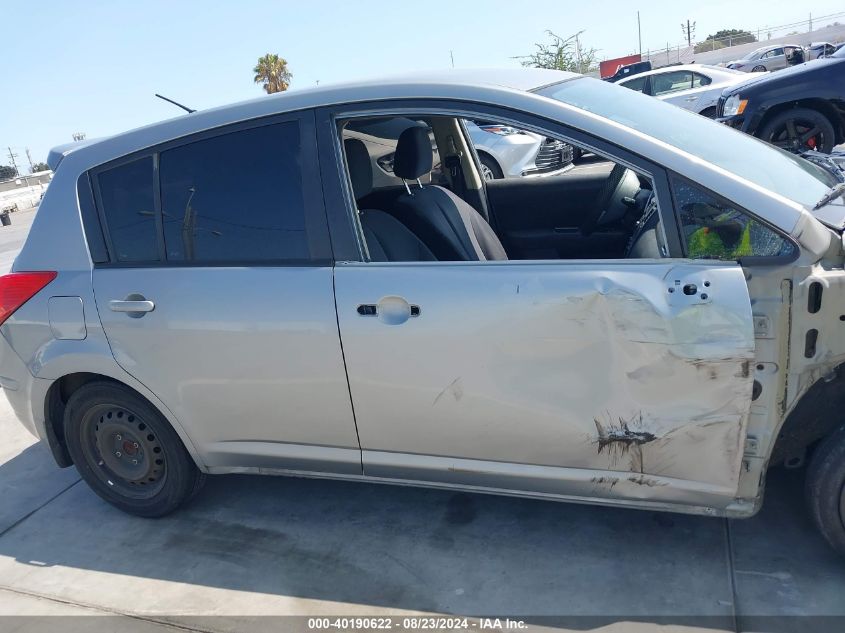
x,y
624,379
219,297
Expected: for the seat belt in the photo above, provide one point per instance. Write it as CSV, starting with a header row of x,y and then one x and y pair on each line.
x,y
456,170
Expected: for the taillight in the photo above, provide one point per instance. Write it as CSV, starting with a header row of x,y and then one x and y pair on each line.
x,y
18,288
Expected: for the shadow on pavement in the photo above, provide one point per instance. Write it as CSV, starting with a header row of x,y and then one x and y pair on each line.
x,y
429,550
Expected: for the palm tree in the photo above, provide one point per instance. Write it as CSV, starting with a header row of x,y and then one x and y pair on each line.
x,y
272,71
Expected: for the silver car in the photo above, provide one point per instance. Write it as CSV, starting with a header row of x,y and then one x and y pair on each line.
x,y
694,87
769,58
232,291
508,152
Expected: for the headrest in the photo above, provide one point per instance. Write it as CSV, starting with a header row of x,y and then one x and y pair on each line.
x,y
413,156
360,168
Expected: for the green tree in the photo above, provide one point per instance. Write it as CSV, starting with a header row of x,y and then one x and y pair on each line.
x,y
560,54
7,171
40,167
731,37
272,72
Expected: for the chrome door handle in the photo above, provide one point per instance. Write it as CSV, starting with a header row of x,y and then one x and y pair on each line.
x,y
134,305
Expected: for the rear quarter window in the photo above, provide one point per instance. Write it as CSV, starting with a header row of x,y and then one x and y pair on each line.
x,y
127,202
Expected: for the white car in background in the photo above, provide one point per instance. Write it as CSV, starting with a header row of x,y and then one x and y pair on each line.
x,y
695,87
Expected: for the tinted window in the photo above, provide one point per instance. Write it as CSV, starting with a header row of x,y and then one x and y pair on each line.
x,y
700,80
671,82
235,197
637,83
715,230
126,195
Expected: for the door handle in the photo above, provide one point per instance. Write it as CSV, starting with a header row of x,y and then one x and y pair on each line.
x,y
371,309
134,305
391,310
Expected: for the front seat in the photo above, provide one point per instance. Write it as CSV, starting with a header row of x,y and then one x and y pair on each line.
x,y
388,240
450,227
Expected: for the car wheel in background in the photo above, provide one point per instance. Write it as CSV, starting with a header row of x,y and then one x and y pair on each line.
x,y
490,169
825,489
758,69
710,113
127,452
799,130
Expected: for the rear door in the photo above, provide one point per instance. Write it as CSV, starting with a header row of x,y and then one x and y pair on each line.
x,y
678,88
219,295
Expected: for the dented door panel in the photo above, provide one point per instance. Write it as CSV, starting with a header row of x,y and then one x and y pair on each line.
x,y
617,380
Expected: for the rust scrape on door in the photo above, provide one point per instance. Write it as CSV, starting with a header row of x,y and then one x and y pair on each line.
x,y
626,437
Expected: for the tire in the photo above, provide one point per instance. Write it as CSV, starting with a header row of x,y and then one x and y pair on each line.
x,y
825,489
490,169
758,69
145,469
710,113
810,129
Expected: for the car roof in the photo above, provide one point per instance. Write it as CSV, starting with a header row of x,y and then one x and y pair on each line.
x,y
410,85
674,67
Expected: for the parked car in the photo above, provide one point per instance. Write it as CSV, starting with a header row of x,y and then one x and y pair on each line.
x,y
694,87
820,49
769,58
629,70
179,306
796,109
508,152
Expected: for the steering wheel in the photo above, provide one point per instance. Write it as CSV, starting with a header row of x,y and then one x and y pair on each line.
x,y
607,194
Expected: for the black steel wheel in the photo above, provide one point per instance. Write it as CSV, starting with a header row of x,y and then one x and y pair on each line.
x,y
126,454
127,451
799,130
825,489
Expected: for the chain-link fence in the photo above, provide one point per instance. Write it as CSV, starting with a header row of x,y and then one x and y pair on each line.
x,y
830,28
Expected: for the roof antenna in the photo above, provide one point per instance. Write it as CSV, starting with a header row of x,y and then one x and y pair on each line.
x,y
176,103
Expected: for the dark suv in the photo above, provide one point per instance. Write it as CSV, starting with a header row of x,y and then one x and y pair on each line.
x,y
798,109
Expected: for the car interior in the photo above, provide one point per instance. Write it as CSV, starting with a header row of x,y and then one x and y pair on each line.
x,y
419,196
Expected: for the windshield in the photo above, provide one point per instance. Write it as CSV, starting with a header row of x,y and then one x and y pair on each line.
x,y
774,169
754,53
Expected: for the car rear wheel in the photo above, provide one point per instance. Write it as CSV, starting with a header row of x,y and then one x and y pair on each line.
x,y
825,489
127,452
490,169
799,130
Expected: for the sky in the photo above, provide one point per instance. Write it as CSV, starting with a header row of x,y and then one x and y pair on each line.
x,y
94,67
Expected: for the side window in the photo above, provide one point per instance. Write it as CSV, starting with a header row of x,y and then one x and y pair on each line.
x,y
235,197
671,82
699,80
715,230
637,83
127,202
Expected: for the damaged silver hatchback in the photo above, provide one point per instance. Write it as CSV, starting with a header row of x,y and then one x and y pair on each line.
x,y
321,283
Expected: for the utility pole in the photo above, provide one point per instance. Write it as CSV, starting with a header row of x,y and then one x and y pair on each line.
x,y
640,33
578,51
29,158
12,157
452,56
810,30
688,32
